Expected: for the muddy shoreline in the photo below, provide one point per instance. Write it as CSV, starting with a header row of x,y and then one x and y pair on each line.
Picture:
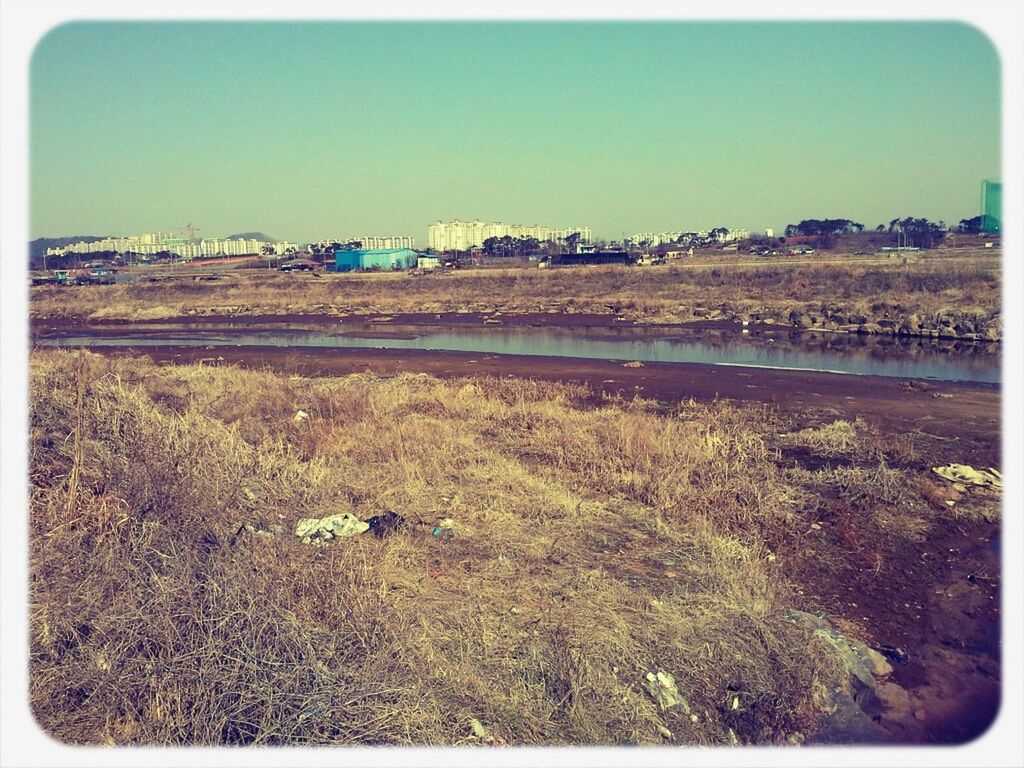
x,y
968,412
456,319
720,321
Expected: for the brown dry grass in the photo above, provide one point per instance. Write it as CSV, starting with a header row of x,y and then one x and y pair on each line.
x,y
592,545
661,294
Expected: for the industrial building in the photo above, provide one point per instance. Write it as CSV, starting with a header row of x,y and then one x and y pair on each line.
x,y
591,257
346,260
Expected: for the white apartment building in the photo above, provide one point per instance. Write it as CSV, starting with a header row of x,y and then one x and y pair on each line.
x,y
159,242
734,235
463,235
654,239
373,242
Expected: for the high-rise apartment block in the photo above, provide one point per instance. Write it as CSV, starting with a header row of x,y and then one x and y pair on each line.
x,y
163,242
372,242
463,235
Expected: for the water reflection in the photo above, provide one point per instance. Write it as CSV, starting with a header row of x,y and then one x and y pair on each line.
x,y
947,360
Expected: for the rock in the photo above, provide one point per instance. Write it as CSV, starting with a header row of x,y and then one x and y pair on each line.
x,y
857,659
848,724
920,715
880,666
894,699
800,319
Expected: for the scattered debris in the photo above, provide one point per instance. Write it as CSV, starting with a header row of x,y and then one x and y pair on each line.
x,y
483,733
320,708
964,473
323,529
386,524
300,416
258,528
662,686
444,529
665,732
479,730
633,364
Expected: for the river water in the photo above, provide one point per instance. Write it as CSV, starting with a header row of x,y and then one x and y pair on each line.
x,y
938,360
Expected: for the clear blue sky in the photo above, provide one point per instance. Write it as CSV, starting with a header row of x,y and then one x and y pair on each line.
x,y
313,130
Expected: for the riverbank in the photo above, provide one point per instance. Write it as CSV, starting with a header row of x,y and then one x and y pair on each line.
x,y
609,522
968,413
941,296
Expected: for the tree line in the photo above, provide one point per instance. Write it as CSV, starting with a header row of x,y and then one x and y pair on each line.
x,y
909,230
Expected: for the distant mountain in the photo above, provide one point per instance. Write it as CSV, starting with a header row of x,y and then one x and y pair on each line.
x,y
251,236
36,248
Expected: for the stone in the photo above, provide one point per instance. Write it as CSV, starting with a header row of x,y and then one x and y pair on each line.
x,y
880,666
894,699
848,724
861,663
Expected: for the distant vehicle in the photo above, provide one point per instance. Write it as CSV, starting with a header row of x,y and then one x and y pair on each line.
x,y
97,276
299,265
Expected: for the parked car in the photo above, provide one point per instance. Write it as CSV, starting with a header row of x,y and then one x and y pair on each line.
x,y
97,276
299,265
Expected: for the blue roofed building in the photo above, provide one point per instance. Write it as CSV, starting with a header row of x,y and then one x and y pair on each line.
x,y
346,260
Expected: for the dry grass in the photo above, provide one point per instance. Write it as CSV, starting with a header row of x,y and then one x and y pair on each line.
x,y
834,439
662,294
592,545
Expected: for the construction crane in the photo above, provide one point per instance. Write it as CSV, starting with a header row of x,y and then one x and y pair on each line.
x,y
191,238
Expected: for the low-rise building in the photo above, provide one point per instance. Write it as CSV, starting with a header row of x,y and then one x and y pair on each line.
x,y
346,259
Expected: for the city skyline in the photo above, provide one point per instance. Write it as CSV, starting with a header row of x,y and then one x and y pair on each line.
x,y
632,127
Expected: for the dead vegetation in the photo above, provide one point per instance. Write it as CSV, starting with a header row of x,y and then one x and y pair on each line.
x,y
658,295
591,546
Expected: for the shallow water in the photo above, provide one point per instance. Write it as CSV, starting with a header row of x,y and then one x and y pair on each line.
x,y
815,351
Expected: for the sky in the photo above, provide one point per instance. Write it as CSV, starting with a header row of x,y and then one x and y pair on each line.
x,y
311,130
